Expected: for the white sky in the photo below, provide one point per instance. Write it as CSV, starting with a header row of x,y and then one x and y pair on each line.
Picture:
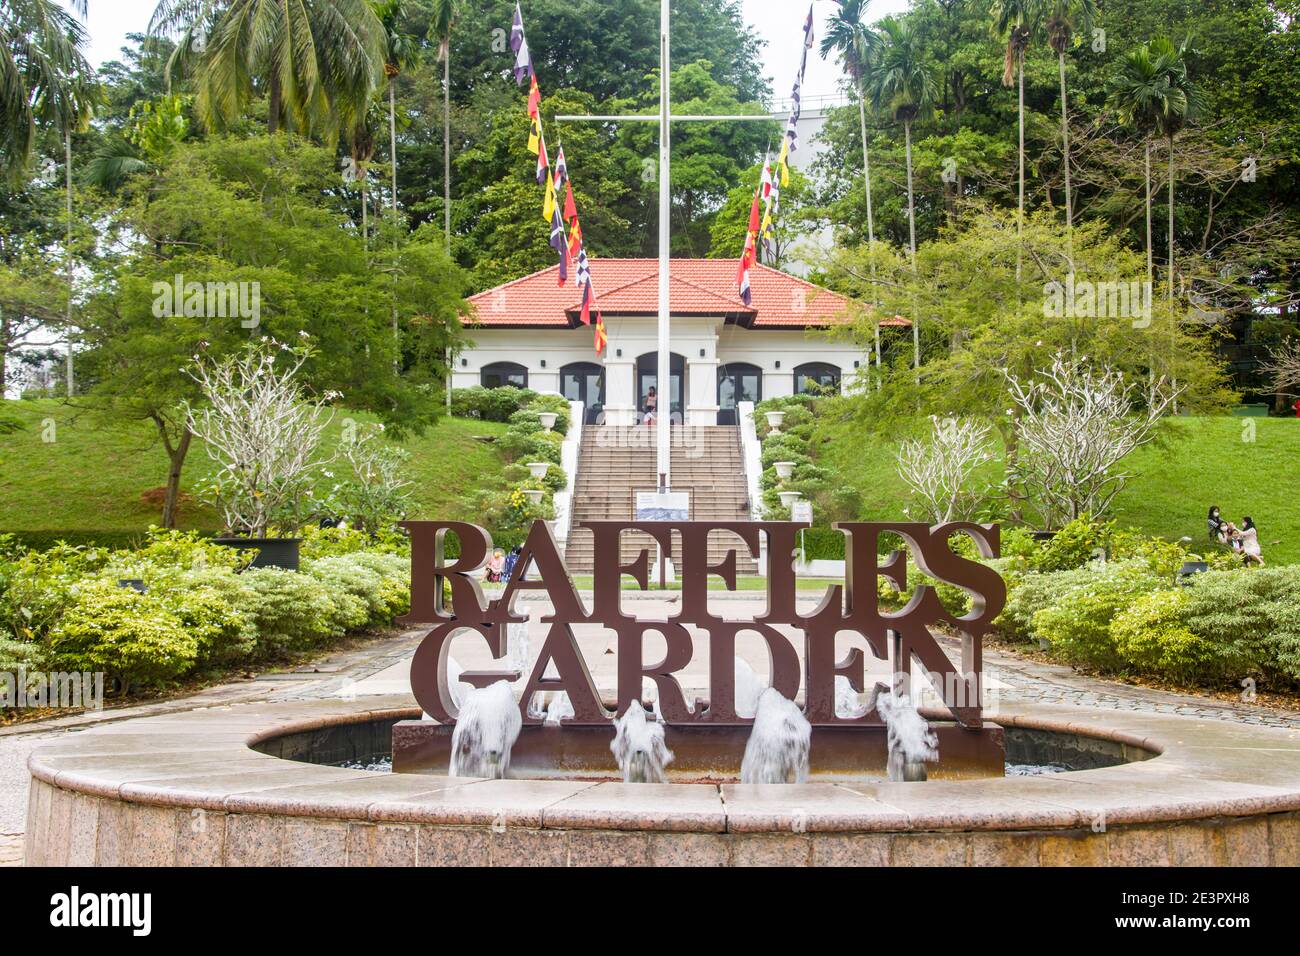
x,y
778,21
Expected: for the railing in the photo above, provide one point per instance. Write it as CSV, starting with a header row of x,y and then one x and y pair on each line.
x,y
570,456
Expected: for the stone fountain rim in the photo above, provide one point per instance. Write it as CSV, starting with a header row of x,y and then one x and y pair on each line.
x,y
204,759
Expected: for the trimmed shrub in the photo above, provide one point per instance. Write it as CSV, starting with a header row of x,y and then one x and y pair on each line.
x,y
294,611
1075,545
1152,636
124,634
489,404
226,633
1077,623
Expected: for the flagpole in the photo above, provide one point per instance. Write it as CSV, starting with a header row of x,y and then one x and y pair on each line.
x,y
664,401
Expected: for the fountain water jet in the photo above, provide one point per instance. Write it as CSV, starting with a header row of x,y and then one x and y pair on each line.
x,y
911,740
749,687
486,730
777,750
639,747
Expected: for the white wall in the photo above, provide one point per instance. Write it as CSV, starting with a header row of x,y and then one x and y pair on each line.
x,y
702,342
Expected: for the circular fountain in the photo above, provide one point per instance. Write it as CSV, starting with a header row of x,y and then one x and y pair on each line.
x,y
807,765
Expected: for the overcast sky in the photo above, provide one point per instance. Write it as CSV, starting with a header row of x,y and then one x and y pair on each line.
x,y
777,21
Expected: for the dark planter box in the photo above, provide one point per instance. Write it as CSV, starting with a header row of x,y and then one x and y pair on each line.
x,y
271,552
1044,535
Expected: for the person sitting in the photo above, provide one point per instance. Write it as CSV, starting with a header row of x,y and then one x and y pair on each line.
x,y
1249,537
496,566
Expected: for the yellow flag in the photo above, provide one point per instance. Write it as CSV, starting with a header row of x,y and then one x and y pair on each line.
x,y
548,211
784,161
534,136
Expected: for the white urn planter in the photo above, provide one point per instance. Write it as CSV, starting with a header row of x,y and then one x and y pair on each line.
x,y
547,419
534,495
784,469
774,420
539,469
788,498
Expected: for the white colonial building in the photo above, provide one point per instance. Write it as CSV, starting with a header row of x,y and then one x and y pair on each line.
x,y
529,333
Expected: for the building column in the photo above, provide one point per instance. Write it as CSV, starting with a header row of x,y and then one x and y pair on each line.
x,y
620,391
702,385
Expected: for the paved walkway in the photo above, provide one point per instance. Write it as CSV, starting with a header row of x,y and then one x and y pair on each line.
x,y
379,667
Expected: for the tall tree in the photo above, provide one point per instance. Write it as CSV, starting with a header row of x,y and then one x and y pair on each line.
x,y
445,13
900,84
316,61
1019,21
1136,94
850,37
44,78
1063,18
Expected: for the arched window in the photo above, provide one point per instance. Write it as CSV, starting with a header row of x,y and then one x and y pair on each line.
x,y
816,378
737,382
585,382
499,374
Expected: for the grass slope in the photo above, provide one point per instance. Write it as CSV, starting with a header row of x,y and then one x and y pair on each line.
x,y
91,476
1197,462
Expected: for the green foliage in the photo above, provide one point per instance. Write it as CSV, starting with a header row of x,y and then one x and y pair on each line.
x,y
295,612
1151,636
123,633
1076,624
1080,541
489,404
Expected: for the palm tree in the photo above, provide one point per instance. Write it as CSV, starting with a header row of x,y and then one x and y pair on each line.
x,y
849,36
1142,92
1063,16
445,13
317,61
1018,20
899,83
44,78
1181,104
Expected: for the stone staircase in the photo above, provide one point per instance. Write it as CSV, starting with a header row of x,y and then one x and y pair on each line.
x,y
617,461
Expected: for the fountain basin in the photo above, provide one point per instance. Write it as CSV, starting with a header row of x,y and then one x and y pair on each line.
x,y
211,787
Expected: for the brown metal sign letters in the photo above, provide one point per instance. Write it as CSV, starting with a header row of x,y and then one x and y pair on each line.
x,y
901,637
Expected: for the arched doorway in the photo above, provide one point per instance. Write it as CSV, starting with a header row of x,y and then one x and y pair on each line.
x,y
737,382
585,382
647,377
817,378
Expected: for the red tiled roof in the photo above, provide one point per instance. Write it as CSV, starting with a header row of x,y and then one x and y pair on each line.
x,y
631,287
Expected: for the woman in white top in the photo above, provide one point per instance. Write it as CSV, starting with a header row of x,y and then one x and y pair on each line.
x,y
1250,552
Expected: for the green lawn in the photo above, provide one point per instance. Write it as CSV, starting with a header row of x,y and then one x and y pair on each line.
x,y
92,475
1197,462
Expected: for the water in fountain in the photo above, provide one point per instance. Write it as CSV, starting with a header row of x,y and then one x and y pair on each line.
x,y
848,702
517,646
639,747
911,741
749,686
486,730
777,751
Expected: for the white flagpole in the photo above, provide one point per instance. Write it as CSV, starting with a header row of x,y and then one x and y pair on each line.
x,y
664,401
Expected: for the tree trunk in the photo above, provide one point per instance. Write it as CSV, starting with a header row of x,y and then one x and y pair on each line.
x,y
1020,204
1173,320
67,147
871,223
1065,155
446,145
392,134
1151,268
273,109
911,242
175,463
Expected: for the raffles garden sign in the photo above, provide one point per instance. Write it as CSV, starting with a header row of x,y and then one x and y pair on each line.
x,y
854,606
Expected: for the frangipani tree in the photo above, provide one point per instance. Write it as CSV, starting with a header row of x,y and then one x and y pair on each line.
x,y
939,470
263,433
1076,423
